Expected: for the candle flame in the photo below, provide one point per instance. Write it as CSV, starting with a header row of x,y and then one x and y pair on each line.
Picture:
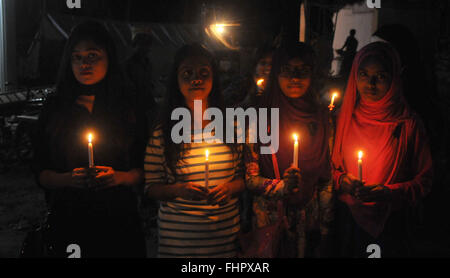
x,y
260,81
360,155
90,137
335,95
206,155
295,137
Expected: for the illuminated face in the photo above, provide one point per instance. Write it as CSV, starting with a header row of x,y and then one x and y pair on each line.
x,y
374,79
89,62
263,68
195,78
295,78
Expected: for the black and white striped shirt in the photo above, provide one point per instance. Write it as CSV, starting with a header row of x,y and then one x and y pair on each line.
x,y
194,228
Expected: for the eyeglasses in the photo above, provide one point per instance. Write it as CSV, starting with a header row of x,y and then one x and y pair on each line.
x,y
300,72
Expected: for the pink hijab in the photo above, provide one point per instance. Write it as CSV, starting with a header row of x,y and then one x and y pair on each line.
x,y
375,128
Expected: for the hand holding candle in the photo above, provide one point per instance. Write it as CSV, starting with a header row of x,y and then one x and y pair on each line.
x,y
292,180
295,156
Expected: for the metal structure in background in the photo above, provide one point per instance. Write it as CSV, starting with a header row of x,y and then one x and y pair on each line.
x,y
19,112
3,55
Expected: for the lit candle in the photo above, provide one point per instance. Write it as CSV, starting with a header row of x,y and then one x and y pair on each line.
x,y
331,106
260,84
90,151
360,155
295,158
206,168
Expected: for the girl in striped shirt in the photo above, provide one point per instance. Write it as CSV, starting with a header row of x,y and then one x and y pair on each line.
x,y
195,219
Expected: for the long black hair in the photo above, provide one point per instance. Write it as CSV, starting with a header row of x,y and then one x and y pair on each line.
x,y
266,49
174,99
115,84
115,102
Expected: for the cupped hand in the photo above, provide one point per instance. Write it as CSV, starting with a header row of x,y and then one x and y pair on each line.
x,y
292,180
373,193
79,178
104,176
191,191
219,194
350,183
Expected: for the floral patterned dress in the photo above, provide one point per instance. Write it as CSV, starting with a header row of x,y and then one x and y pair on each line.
x,y
315,216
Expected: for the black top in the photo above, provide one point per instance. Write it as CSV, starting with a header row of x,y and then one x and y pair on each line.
x,y
104,223
61,145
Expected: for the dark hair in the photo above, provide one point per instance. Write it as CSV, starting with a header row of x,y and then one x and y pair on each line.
x,y
260,53
247,86
114,101
114,81
174,99
287,51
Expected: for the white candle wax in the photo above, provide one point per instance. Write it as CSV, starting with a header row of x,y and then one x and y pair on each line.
x,y
360,154
295,158
206,169
90,151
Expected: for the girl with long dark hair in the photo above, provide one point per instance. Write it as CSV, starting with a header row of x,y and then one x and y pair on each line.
x,y
196,218
92,206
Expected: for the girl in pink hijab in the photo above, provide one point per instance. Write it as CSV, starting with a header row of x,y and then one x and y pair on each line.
x,y
396,165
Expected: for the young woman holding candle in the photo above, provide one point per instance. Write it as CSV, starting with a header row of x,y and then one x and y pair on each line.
x,y
261,71
306,189
396,161
246,91
194,221
93,207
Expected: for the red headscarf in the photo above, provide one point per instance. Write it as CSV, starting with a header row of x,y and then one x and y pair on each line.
x,y
375,128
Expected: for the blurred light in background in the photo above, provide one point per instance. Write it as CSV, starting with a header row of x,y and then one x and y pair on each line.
x,y
219,28
223,32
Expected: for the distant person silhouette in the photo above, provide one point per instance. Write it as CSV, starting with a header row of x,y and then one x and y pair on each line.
x,y
350,46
